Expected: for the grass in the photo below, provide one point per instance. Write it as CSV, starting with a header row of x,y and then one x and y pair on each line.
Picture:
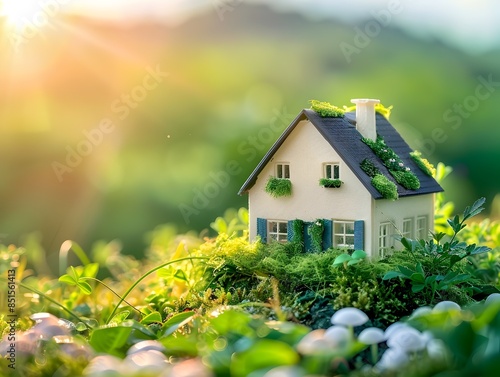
x,y
229,302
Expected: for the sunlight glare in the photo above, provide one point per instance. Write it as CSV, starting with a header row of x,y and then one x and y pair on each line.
x,y
19,13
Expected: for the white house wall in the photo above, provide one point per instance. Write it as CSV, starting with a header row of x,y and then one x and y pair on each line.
x,y
306,151
398,210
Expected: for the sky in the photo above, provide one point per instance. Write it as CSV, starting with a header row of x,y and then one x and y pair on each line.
x,y
470,25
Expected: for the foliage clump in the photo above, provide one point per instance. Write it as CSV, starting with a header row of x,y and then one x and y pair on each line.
x,y
423,163
369,168
316,230
386,187
278,187
330,183
402,174
406,179
326,109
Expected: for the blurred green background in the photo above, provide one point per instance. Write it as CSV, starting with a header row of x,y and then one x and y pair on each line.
x,y
191,108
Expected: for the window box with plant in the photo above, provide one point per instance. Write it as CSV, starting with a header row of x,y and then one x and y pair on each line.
x,y
330,183
278,187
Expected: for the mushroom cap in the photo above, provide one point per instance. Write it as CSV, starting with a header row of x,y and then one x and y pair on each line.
x,y
150,361
313,342
494,297
407,339
444,306
392,359
337,336
349,317
423,310
146,345
371,335
392,329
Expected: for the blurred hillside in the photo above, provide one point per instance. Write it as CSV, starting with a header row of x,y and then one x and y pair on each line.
x,y
108,130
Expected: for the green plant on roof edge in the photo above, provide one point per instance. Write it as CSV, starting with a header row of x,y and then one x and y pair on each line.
x,y
278,187
386,187
423,163
326,109
379,108
402,174
369,168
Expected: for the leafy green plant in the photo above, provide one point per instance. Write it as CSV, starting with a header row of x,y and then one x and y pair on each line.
x,y
347,259
316,230
278,187
298,232
402,174
437,260
232,222
423,163
386,187
330,183
369,168
406,179
326,110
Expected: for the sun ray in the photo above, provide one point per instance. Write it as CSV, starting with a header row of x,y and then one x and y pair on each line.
x,y
18,14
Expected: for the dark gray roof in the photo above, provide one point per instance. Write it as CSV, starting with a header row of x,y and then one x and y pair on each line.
x,y
346,140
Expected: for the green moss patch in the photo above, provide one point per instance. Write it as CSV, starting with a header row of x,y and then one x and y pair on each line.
x,y
326,109
386,187
423,163
401,173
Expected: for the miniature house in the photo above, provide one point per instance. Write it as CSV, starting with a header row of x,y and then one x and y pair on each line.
x,y
355,214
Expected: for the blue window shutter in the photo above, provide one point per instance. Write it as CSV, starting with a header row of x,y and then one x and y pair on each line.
x,y
290,234
262,229
359,235
327,234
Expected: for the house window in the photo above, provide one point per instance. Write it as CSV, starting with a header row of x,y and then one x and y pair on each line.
x,y
277,230
408,228
283,170
422,227
343,234
332,170
384,238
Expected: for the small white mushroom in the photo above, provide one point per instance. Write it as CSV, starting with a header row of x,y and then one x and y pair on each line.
x,y
190,368
407,339
392,329
151,361
337,336
437,350
47,326
494,297
105,365
313,342
423,310
392,359
445,306
349,317
372,336
146,345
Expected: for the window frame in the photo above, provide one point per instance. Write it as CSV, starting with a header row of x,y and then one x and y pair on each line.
x,y
384,240
332,166
277,235
408,233
343,234
422,232
281,170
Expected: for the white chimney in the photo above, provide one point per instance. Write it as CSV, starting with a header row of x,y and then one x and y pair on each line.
x,y
365,117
